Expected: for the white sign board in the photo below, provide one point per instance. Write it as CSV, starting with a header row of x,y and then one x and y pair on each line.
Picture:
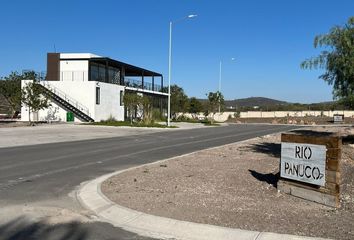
x,y
303,162
338,118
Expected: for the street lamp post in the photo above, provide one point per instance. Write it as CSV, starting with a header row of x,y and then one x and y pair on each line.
x,y
170,67
220,68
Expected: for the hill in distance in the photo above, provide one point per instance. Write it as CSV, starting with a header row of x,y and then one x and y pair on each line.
x,y
254,101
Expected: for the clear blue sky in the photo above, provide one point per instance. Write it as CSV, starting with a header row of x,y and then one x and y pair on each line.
x,y
269,39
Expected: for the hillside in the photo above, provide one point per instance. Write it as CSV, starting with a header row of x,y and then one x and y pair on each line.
x,y
268,104
251,103
254,101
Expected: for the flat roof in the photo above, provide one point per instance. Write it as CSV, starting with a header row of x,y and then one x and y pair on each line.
x,y
130,70
78,55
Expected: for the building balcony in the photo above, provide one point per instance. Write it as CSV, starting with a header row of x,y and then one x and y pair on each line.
x,y
132,82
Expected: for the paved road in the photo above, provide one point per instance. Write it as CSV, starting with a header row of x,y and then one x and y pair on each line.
x,y
38,181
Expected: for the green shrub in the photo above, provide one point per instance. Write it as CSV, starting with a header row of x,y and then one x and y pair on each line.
x,y
157,115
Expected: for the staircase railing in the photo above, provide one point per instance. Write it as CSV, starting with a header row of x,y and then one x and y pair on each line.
x,y
66,97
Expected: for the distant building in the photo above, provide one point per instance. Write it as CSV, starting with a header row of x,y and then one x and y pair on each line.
x,y
91,87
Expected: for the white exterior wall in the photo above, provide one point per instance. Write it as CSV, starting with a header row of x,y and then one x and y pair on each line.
x,y
75,86
85,94
53,114
109,102
221,117
259,114
74,70
81,92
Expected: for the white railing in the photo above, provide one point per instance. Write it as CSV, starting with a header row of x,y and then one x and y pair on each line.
x,y
73,76
66,97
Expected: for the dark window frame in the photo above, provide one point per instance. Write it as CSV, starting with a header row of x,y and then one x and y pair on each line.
x,y
121,96
98,95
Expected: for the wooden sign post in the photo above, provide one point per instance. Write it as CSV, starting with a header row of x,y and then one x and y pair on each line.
x,y
309,167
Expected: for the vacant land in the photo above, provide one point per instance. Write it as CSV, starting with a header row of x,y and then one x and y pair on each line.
x,y
293,120
234,186
8,124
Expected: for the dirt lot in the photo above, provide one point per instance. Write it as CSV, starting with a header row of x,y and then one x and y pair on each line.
x,y
5,124
234,186
292,120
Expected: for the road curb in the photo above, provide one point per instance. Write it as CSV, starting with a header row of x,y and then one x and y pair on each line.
x,y
91,197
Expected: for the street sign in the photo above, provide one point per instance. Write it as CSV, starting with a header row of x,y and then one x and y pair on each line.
x,y
303,162
338,118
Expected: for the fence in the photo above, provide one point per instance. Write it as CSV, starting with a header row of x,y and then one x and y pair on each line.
x,y
279,114
221,117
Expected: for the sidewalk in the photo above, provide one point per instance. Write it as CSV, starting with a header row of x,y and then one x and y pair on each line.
x,y
53,133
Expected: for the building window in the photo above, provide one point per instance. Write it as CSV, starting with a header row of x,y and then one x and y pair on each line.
x,y
98,95
97,72
94,72
113,75
121,98
101,73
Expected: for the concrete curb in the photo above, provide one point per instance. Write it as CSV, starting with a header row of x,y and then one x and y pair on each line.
x,y
91,197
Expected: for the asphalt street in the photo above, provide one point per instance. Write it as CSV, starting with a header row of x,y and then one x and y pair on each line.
x,y
39,180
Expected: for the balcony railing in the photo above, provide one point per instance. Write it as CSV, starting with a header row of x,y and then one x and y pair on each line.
x,y
128,82
81,76
135,83
74,76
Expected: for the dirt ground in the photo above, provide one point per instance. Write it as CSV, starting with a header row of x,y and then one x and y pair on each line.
x,y
235,186
5,124
292,120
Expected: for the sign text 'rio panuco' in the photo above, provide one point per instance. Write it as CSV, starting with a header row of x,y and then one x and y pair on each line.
x,y
303,162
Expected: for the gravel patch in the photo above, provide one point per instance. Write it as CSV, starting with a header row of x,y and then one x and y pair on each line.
x,y
234,186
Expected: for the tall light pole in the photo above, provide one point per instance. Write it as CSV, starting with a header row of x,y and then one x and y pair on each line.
x,y
220,68
169,67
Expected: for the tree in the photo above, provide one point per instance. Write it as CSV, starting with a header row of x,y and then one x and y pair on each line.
x,y
34,98
137,104
146,103
10,89
131,102
338,60
195,106
179,100
215,102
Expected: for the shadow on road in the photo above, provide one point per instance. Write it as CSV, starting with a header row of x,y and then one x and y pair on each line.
x,y
20,229
271,149
269,178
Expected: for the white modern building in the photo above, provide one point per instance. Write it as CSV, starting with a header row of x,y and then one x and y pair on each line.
x,y
91,87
